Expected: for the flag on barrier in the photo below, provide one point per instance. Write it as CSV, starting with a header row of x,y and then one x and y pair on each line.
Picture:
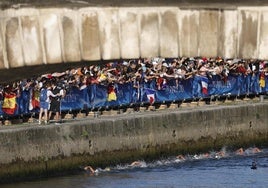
x,y
150,93
204,85
111,93
9,104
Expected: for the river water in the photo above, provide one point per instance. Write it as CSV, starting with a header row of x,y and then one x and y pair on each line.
x,y
203,170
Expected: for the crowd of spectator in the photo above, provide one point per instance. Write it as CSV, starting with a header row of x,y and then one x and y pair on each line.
x,y
143,69
138,71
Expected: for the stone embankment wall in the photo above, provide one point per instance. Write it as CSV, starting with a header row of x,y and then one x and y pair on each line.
x,y
37,36
30,151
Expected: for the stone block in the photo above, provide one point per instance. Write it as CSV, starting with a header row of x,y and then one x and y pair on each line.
x,y
7,122
162,107
81,115
13,43
168,31
201,103
248,33
31,40
173,106
151,108
188,32
149,35
68,116
31,120
193,104
184,104
109,33
208,33
129,33
129,110
90,35
51,38
71,39
143,108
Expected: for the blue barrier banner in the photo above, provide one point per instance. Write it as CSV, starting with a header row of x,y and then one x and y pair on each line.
x,y
115,95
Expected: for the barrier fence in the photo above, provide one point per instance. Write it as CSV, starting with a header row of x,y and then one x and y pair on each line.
x,y
135,93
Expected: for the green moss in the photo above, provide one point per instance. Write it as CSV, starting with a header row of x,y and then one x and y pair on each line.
x,y
85,134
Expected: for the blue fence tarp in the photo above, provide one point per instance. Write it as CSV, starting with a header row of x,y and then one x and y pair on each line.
x,y
95,96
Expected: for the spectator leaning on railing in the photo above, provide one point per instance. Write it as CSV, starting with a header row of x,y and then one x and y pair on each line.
x,y
142,72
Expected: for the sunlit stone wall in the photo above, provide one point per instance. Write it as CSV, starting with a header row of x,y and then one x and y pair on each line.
x,y
32,36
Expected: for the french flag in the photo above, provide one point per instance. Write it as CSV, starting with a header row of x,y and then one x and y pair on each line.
x,y
150,93
204,85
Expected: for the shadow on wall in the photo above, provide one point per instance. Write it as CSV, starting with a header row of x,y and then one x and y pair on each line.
x,y
16,74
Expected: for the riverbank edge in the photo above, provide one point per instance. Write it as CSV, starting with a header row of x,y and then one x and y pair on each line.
x,y
42,151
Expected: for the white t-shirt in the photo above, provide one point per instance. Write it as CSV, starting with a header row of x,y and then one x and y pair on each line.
x,y
49,93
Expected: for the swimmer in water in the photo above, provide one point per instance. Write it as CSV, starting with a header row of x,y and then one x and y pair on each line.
x,y
180,157
240,151
97,171
206,155
89,168
220,154
138,164
256,150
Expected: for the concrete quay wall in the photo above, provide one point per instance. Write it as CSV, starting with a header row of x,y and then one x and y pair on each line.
x,y
30,151
41,36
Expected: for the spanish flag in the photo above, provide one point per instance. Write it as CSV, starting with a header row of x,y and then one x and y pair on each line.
x,y
9,104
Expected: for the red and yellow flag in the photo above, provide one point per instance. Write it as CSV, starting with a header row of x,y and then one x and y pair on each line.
x,y
9,104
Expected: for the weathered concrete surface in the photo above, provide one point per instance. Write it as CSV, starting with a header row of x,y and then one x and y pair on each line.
x,y
44,150
208,33
129,33
70,32
13,42
228,28
50,31
45,36
109,33
32,50
168,33
248,33
189,26
90,36
263,38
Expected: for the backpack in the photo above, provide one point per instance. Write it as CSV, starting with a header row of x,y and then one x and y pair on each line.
x,y
43,95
